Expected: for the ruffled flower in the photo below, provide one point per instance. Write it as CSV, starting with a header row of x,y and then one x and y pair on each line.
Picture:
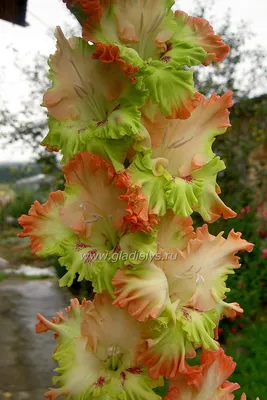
x,y
181,167
209,380
181,293
196,268
96,353
149,29
88,103
166,346
44,226
86,225
187,144
152,190
197,277
143,289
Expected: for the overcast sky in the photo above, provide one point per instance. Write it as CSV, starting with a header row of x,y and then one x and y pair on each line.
x,y
44,15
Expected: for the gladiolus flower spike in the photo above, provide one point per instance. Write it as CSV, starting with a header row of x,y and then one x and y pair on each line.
x,y
136,144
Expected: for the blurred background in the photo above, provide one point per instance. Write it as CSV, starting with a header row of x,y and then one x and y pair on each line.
x,y
29,285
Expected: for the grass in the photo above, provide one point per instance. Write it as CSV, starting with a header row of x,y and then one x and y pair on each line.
x,y
3,276
248,349
5,188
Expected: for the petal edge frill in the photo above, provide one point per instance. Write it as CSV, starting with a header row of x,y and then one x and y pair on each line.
x,y
197,276
142,290
199,32
44,225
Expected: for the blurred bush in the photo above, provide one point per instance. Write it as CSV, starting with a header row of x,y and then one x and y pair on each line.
x,y
13,209
19,203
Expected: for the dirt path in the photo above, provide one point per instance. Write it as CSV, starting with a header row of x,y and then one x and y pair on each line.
x,y
26,367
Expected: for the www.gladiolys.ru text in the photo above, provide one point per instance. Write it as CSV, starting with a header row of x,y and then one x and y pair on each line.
x,y
136,256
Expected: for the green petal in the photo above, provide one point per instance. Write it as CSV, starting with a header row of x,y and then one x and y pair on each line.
x,y
169,345
71,137
92,265
182,196
114,150
140,387
153,187
199,327
198,192
75,253
181,54
138,246
135,386
130,56
65,136
167,348
102,273
173,90
120,123
210,206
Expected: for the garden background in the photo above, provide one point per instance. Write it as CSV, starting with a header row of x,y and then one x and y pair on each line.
x,y
32,174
